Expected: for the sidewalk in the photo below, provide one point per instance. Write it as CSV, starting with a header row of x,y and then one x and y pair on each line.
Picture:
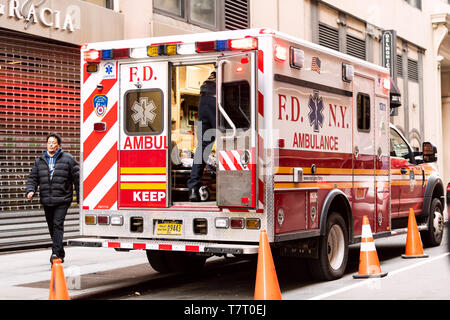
x,y
26,275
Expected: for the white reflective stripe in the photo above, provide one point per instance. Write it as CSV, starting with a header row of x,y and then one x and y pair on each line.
x,y
366,231
143,178
368,246
102,187
228,161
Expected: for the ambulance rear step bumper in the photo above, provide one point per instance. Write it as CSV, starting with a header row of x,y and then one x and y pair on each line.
x,y
187,246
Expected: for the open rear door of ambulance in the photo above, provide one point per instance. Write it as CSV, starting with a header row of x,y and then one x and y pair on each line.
x,y
143,150
236,130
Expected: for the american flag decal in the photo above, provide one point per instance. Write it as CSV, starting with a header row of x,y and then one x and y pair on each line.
x,y
315,66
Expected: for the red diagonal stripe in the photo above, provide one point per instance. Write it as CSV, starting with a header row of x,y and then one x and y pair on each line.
x,y
261,60
88,106
261,104
95,137
223,162
86,74
109,199
100,171
234,160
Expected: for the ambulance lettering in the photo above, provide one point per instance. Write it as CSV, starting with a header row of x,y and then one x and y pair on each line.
x,y
141,73
145,143
291,110
146,196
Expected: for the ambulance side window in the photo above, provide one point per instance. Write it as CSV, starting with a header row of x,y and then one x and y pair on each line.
x,y
399,148
363,112
143,112
236,103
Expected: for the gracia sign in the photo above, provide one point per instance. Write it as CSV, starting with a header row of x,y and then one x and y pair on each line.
x,y
36,11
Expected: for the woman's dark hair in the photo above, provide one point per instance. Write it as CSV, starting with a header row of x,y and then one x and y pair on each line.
x,y
56,136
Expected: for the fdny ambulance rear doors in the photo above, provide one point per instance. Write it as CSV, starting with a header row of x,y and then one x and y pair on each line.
x,y
236,130
143,147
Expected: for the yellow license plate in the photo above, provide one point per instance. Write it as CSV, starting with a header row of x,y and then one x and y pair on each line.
x,y
170,228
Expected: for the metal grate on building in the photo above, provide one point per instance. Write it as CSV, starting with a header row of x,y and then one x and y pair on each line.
x,y
237,14
399,65
356,47
328,37
39,93
413,70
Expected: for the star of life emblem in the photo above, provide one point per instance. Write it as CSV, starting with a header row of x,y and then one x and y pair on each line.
x,y
316,111
143,112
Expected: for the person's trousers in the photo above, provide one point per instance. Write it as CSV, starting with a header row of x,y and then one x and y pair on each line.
x,y
205,139
55,216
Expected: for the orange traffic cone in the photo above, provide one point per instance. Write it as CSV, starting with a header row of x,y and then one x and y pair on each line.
x,y
266,287
369,265
414,247
58,287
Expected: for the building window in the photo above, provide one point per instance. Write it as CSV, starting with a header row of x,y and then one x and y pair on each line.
x,y
102,3
415,3
172,7
211,14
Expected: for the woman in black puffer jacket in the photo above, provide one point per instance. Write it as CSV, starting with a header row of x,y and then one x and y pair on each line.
x,y
55,172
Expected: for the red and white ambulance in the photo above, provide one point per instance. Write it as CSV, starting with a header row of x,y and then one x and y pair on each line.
x,y
304,149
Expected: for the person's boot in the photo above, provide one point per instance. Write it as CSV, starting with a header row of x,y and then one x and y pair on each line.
x,y
194,195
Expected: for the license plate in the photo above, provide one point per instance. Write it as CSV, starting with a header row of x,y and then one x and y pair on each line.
x,y
169,228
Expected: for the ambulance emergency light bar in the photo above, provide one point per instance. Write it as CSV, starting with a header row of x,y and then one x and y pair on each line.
x,y
167,49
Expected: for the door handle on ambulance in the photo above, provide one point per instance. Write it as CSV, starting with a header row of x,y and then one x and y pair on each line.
x,y
219,101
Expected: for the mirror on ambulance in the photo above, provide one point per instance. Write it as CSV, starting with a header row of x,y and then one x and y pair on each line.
x,y
429,152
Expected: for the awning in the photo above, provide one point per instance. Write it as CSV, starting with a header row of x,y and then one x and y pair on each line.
x,y
395,95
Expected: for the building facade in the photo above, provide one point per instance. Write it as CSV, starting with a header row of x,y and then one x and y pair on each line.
x,y
39,60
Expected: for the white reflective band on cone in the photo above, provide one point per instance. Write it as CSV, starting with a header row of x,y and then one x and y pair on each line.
x,y
368,246
366,232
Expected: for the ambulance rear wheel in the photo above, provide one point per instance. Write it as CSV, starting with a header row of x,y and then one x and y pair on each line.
x,y
173,261
333,251
158,261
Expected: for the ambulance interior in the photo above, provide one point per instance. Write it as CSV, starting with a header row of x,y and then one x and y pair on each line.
x,y
185,96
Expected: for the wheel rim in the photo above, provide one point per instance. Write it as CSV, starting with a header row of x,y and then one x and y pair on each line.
x,y
336,247
438,223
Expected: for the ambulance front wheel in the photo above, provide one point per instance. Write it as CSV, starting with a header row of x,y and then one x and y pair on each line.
x,y
333,251
433,236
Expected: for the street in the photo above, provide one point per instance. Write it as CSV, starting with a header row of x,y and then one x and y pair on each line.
x,y
96,273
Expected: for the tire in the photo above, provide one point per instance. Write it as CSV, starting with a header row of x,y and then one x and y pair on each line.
x,y
158,261
172,261
433,236
333,251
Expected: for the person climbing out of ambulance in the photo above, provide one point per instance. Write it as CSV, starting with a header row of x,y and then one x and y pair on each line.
x,y
206,135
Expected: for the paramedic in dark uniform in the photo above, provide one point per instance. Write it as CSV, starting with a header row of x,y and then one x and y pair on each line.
x,y
205,134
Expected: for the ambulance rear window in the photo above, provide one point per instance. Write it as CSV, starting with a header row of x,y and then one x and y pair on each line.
x,y
236,103
144,112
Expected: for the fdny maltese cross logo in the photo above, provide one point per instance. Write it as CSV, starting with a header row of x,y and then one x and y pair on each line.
x,y
144,112
315,114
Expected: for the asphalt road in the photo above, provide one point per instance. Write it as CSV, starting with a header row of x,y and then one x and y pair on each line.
x,y
407,279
